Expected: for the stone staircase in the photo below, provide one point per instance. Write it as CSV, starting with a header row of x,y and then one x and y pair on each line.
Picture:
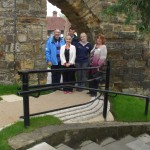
x,y
129,142
82,113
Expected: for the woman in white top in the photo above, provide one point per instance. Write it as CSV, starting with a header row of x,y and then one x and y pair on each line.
x,y
98,57
67,57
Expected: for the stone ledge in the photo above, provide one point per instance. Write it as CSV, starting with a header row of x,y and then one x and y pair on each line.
x,y
75,133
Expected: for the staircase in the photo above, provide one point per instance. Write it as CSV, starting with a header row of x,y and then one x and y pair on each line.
x,y
129,142
82,113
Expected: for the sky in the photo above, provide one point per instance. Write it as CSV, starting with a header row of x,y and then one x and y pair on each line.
x,y
51,8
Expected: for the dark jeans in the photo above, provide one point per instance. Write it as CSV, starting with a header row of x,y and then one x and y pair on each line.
x,y
93,84
68,76
56,75
82,74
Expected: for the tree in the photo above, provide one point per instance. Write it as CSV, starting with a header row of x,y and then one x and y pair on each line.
x,y
138,10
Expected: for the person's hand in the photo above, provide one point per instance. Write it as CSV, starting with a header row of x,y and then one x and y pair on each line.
x,y
67,64
49,64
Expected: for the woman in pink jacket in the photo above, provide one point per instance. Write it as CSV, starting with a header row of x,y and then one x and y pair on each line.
x,y
98,57
67,57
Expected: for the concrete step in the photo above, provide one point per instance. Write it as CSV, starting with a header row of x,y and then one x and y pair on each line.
x,y
90,145
63,147
86,108
144,138
87,113
107,141
81,113
120,144
138,145
42,146
127,143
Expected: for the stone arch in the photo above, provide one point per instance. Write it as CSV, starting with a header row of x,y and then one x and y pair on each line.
x,y
80,15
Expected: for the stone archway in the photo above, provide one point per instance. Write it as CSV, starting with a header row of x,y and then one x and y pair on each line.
x,y
80,15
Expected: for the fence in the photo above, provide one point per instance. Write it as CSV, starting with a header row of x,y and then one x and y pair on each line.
x,y
39,88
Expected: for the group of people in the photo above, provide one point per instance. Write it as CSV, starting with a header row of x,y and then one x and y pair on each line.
x,y
72,52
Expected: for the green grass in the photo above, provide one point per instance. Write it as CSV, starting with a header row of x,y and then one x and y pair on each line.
x,y
127,108
13,89
8,89
18,128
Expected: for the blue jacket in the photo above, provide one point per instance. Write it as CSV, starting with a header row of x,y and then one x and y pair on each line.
x,y
51,51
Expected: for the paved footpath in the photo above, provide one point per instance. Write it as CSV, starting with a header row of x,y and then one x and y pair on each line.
x,y
11,107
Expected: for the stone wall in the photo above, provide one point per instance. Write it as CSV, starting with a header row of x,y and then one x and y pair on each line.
x,y
128,51
23,29
22,41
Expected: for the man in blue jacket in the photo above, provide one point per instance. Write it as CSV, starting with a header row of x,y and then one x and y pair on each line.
x,y
52,54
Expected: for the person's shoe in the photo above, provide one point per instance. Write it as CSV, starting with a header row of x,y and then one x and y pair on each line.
x,y
65,92
88,93
70,92
79,90
93,95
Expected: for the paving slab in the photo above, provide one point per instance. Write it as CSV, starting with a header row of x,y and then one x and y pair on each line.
x,y
11,107
11,98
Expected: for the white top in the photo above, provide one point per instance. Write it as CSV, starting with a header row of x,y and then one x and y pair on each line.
x,y
100,55
72,54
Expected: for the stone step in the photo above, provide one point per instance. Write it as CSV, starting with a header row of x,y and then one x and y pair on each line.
x,y
80,110
81,113
120,144
86,113
63,147
144,138
127,143
138,145
42,146
107,141
74,109
126,140
90,145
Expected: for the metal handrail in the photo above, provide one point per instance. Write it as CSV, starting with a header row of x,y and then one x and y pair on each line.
x,y
55,70
25,89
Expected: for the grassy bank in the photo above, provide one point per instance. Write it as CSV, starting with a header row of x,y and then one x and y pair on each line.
x,y
127,108
13,89
8,89
18,128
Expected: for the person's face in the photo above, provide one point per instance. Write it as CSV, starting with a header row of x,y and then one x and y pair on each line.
x,y
71,32
99,41
57,34
83,37
68,40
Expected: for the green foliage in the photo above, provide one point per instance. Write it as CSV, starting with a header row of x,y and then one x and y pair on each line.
x,y
18,128
127,108
138,10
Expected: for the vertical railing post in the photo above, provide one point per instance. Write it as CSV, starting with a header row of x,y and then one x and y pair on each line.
x,y
146,106
25,81
106,88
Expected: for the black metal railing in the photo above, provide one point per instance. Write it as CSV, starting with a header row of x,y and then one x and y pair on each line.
x,y
26,90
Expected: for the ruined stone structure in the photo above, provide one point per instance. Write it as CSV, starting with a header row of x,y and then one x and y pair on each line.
x,y
23,35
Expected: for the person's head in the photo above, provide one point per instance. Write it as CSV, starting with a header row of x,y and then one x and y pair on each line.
x,y
71,31
57,33
100,39
83,37
68,39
